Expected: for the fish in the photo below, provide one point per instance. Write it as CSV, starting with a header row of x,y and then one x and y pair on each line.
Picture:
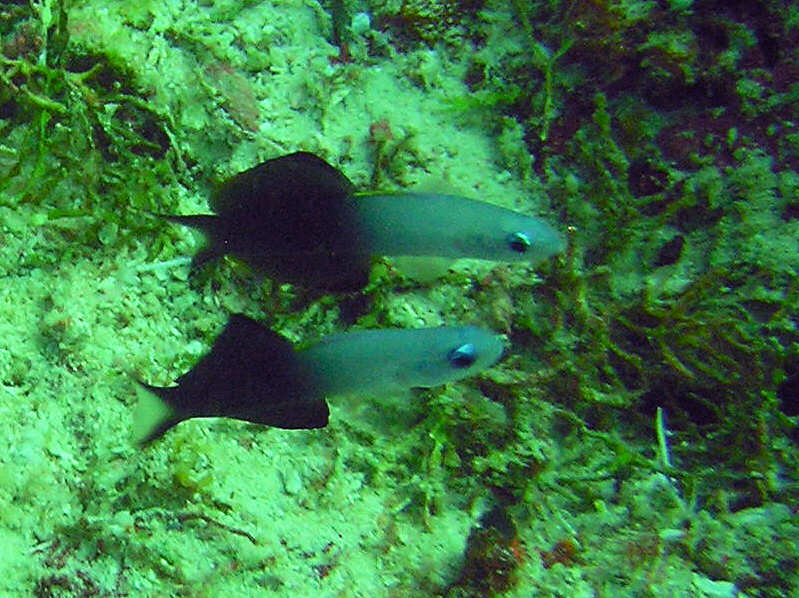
x,y
252,373
298,219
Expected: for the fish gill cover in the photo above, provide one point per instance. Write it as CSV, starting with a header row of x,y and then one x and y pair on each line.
x,y
662,133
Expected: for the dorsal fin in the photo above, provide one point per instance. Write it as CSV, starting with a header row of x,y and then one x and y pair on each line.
x,y
293,177
293,218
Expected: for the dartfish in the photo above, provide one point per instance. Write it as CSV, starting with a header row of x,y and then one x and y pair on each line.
x,y
252,373
298,219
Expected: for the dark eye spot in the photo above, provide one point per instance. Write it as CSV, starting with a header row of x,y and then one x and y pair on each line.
x,y
519,242
463,356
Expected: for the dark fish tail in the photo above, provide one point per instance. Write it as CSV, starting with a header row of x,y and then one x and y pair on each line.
x,y
205,223
209,225
251,374
161,427
152,419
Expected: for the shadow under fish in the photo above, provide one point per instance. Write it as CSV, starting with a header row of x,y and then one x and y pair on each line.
x,y
253,374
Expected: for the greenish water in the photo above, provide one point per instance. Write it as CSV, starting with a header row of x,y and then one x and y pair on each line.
x,y
638,439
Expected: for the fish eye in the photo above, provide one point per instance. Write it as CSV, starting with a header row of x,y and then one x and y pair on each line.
x,y
519,242
463,356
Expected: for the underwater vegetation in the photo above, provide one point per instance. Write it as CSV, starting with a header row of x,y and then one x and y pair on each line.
x,y
665,133
69,111
679,185
640,438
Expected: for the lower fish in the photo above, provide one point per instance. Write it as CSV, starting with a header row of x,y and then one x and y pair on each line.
x,y
253,374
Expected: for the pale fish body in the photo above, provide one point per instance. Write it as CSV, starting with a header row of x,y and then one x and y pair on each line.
x,y
253,374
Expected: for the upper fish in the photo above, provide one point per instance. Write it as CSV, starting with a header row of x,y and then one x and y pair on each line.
x,y
298,219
